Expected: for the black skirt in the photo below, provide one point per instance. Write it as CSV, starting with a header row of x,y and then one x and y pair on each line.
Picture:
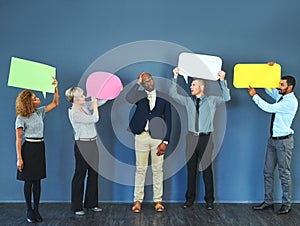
x,y
34,161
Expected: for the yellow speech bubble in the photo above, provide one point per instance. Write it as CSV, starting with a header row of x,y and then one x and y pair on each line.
x,y
31,75
256,75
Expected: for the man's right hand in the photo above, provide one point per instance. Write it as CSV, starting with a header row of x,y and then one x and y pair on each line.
x,y
140,78
251,91
176,72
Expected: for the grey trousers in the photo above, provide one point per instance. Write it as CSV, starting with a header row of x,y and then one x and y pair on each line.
x,y
279,152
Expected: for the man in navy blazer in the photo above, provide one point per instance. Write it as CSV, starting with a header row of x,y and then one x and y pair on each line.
x,y
151,124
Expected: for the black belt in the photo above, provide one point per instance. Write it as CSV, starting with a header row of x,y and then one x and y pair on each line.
x,y
282,137
199,134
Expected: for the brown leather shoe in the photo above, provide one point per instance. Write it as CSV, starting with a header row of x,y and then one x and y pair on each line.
x,y
159,207
137,207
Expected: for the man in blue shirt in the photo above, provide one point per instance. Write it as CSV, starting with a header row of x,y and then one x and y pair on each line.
x,y
281,142
200,127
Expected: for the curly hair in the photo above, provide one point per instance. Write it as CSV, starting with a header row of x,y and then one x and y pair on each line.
x,y
24,105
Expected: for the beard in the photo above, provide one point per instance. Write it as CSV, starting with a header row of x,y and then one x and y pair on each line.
x,y
283,92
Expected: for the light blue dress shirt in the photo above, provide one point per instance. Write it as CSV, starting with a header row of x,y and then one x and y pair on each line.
x,y
207,107
285,111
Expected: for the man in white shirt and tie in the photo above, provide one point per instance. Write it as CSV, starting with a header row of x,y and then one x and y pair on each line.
x,y
281,142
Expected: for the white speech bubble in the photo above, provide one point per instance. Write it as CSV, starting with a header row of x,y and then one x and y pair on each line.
x,y
199,66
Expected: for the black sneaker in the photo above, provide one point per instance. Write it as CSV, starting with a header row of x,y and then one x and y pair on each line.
x,y
37,216
209,206
284,209
187,204
30,216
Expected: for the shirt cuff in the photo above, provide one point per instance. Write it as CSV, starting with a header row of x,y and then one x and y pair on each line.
x,y
166,142
255,97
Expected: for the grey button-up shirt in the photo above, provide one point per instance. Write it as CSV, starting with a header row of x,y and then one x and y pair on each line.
x,y
84,123
207,107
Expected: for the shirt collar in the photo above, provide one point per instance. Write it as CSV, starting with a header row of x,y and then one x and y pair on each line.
x,y
290,94
152,92
201,98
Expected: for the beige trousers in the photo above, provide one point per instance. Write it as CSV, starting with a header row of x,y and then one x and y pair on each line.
x,y
144,145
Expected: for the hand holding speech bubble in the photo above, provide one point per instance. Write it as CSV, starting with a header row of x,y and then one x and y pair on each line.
x,y
257,75
103,85
31,75
199,66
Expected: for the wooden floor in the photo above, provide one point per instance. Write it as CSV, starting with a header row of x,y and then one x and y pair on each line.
x,y
120,214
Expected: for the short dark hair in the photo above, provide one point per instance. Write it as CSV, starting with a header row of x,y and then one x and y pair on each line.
x,y
201,81
290,80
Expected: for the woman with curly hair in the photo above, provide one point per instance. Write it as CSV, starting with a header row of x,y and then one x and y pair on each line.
x,y
31,162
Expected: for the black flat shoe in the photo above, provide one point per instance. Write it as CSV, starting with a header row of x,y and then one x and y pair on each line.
x,y
284,209
209,206
30,220
187,204
30,216
37,216
263,206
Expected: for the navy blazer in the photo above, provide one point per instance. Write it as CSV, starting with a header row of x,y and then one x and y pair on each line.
x,y
161,111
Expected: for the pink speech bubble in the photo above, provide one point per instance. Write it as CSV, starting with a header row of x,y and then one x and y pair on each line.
x,y
103,85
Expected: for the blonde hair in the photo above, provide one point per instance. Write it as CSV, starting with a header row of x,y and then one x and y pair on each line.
x,y
74,92
24,104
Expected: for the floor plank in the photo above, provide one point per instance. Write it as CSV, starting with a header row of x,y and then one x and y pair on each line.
x,y
120,214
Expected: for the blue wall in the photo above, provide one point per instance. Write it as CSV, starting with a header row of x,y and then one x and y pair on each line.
x,y
71,35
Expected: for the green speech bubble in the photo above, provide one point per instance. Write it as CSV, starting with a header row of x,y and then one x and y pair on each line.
x,y
31,75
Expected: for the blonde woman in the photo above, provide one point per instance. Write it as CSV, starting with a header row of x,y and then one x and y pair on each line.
x,y
83,117
31,162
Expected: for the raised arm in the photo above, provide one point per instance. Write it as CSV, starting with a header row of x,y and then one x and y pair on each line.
x,y
173,89
133,94
84,115
224,88
95,106
90,105
55,101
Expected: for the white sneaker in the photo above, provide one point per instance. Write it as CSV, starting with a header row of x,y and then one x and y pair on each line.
x,y
80,213
96,209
